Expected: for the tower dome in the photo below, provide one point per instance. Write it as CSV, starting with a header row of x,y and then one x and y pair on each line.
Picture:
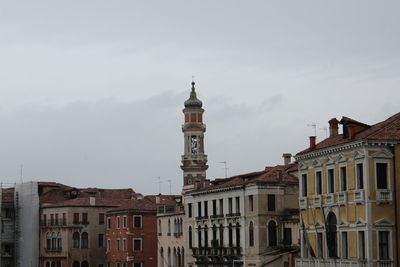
x,y
193,101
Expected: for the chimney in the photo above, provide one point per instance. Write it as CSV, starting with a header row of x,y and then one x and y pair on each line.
x,y
351,131
333,127
158,199
312,142
286,158
92,201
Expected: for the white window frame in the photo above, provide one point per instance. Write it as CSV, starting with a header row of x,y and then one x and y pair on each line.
x,y
356,162
133,244
124,222
387,161
322,181
301,183
141,222
118,222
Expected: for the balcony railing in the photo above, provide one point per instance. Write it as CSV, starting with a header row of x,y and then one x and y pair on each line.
x,y
302,262
385,263
217,216
217,251
230,215
57,249
53,223
359,195
384,195
330,199
303,203
200,218
342,198
317,200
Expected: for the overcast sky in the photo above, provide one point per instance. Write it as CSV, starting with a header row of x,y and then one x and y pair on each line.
x,y
91,92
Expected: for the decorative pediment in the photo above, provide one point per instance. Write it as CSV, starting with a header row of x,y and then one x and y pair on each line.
x,y
316,163
329,161
384,223
358,155
302,166
382,154
318,225
360,222
341,158
343,224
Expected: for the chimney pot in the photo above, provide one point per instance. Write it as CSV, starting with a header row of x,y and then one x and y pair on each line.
x,y
312,142
286,158
333,127
92,201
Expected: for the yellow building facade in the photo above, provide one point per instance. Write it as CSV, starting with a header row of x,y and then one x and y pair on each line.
x,y
348,196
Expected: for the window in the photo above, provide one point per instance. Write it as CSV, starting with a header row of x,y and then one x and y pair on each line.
x,y
230,235
124,244
108,222
237,234
85,240
345,246
271,202
206,208
287,236
361,245
221,206
59,241
118,244
381,176
221,235
101,218
137,244
360,176
51,219
56,221
169,227
205,236
190,210
320,245
118,222
75,240
304,185
64,219
331,181
199,236
251,205
44,221
124,222
272,237
190,237
76,218
159,227
343,179
199,209
230,205
108,244
48,241
85,218
251,235
318,182
137,264
137,221
214,207
383,242
101,240
237,204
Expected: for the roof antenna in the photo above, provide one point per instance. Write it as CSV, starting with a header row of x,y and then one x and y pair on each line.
x,y
226,168
314,126
170,186
325,130
159,185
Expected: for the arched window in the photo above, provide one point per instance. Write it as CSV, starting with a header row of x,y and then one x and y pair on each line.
x,y
76,264
59,242
85,240
190,237
183,256
178,255
199,236
169,257
221,235
169,227
53,264
272,236
75,241
85,264
214,241
53,241
251,234
205,236
230,235
180,226
332,235
48,242
174,258
237,234
161,257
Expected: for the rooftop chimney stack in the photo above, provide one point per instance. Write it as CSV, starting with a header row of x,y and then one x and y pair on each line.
x,y
333,127
92,201
286,158
312,142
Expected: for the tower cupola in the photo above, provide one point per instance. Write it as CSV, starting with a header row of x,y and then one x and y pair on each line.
x,y
193,101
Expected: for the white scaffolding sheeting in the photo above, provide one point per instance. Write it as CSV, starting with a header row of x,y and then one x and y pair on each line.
x,y
27,223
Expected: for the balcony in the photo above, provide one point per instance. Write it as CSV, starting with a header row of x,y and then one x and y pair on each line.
x,y
385,263
201,218
342,198
330,199
56,249
231,215
383,195
359,195
217,216
317,200
303,203
216,251
303,262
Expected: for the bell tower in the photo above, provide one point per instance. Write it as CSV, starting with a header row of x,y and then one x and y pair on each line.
x,y
194,161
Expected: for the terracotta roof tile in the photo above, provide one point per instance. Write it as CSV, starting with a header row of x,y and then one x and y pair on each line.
x,y
387,130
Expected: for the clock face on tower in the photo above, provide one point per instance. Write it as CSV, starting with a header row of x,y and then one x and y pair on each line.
x,y
194,145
